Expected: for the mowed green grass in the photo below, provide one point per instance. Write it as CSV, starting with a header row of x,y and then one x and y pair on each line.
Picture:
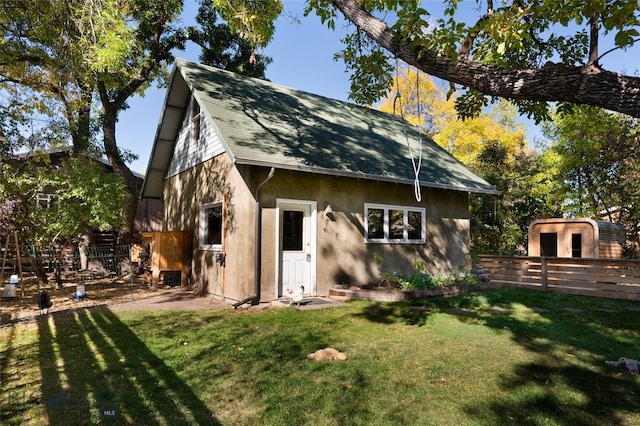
x,y
491,358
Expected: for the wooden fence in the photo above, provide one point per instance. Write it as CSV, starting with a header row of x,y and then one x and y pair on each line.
x,y
609,278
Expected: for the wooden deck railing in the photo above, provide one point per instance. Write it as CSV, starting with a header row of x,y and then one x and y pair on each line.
x,y
610,278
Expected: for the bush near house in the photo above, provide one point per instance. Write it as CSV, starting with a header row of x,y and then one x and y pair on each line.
x,y
420,280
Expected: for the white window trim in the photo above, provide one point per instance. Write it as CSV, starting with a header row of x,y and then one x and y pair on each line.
x,y
405,209
44,200
195,129
202,227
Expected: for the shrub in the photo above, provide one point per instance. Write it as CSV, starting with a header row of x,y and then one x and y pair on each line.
x,y
458,277
417,281
420,280
390,281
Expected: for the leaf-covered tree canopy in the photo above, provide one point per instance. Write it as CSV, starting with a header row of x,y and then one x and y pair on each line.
x,y
597,164
224,48
419,100
66,54
531,52
48,196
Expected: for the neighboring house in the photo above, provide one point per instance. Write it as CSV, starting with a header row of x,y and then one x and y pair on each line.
x,y
283,189
149,212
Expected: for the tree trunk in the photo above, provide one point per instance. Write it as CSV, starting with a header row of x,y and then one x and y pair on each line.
x,y
587,84
120,169
79,119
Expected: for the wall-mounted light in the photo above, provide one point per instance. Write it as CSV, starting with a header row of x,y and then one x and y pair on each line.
x,y
328,212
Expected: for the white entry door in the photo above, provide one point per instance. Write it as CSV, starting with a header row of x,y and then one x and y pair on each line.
x,y
297,247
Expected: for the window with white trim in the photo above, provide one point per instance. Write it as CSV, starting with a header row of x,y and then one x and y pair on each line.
x,y
211,226
195,121
44,201
394,224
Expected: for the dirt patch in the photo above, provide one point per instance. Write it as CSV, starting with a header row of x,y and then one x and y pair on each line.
x,y
172,299
123,291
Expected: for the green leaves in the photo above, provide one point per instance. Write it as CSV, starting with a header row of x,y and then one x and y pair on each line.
x,y
371,72
626,37
103,36
597,162
69,54
252,19
470,104
47,199
523,35
94,197
224,48
324,9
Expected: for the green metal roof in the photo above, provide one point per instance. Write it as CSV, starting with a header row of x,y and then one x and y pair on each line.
x,y
262,123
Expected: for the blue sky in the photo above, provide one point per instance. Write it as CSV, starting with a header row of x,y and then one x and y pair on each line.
x,y
302,56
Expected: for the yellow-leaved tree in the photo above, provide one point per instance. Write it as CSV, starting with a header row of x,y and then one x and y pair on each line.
x,y
423,103
494,145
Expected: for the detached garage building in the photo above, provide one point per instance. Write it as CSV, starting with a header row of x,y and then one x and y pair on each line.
x,y
282,190
585,238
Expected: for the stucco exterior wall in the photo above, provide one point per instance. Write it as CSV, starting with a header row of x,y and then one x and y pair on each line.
x,y
213,181
341,256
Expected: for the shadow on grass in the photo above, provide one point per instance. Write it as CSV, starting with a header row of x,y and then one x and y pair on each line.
x,y
16,396
411,314
293,390
561,394
115,377
570,337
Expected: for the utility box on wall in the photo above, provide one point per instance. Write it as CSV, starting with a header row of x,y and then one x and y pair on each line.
x,y
580,238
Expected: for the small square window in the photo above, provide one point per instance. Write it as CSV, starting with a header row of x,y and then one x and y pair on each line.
x,y
44,201
211,226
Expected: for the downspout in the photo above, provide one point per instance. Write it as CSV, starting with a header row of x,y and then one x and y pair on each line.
x,y
258,254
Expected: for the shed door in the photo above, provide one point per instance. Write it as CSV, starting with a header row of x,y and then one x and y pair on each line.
x,y
576,244
549,244
297,247
580,241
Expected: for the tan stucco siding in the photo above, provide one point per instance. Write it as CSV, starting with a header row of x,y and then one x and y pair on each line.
x,y
342,254
448,230
212,181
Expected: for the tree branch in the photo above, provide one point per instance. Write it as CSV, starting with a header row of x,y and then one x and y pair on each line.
x,y
552,83
467,44
593,39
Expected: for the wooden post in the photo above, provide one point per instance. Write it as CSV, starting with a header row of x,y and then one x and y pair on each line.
x,y
15,239
543,272
4,258
154,248
13,235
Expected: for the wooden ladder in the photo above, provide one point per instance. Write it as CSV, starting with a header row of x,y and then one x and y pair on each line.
x,y
11,245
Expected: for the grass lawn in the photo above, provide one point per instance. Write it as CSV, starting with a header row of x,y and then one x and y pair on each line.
x,y
492,358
